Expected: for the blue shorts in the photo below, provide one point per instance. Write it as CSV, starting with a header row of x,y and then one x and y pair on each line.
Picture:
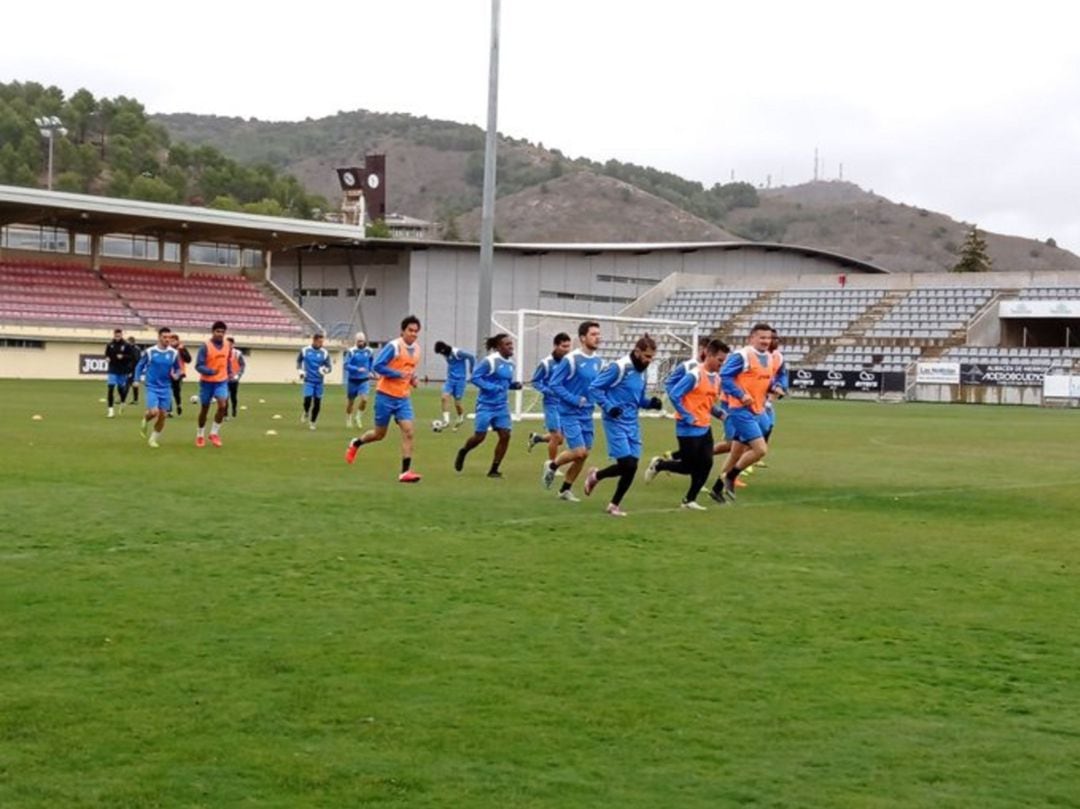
x,y
745,425
158,397
552,420
492,420
767,420
729,428
455,387
357,388
212,390
578,431
392,407
623,439
313,388
120,380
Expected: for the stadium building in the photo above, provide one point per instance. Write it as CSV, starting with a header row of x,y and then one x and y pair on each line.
x,y
73,267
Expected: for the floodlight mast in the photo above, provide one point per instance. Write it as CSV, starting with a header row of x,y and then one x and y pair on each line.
x,y
487,215
49,126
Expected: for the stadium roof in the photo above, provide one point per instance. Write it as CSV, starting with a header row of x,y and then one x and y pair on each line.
x,y
84,213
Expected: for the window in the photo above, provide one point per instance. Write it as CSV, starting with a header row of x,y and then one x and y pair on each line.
x,y
628,279
315,292
583,296
352,293
14,343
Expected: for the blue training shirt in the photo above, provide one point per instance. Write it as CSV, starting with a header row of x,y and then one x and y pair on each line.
x,y
570,381
311,359
493,375
458,364
542,377
358,362
159,365
620,385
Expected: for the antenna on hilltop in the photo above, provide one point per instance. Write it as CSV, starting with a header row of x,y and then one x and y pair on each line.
x,y
815,164
841,172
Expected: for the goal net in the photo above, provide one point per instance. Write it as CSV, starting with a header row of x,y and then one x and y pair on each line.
x,y
533,331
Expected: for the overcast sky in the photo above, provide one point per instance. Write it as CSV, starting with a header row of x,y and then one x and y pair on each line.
x,y
967,108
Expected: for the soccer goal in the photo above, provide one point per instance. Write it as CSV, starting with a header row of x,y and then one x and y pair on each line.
x,y
534,329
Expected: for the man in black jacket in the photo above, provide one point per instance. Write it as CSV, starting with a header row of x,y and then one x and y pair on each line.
x,y
119,354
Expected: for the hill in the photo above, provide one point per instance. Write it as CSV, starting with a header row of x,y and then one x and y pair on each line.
x,y
435,172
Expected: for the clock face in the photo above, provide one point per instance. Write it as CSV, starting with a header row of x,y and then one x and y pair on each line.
x,y
373,181
348,178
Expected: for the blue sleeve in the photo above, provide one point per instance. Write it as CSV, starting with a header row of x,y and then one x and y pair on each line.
x,y
673,378
680,389
386,353
300,360
733,366
604,380
470,359
782,378
328,362
140,367
556,381
177,367
200,362
540,379
480,377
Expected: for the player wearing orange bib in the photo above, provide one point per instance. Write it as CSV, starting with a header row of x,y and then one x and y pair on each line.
x,y
214,364
396,366
748,377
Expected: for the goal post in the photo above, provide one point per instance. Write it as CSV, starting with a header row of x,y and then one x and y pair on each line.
x,y
534,329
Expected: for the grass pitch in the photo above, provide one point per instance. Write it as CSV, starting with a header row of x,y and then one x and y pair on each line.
x,y
886,618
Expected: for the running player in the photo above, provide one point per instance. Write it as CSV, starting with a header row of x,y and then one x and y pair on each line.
x,y
214,364
694,398
118,353
494,376
133,380
459,363
569,382
358,361
396,366
620,391
553,437
239,366
313,362
160,364
748,375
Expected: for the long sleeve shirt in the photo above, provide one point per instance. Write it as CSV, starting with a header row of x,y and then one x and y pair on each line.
x,y
620,385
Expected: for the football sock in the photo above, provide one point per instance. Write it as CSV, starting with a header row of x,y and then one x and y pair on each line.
x,y
215,428
307,404
201,433
405,464
612,471
112,388
316,406
494,466
564,488
155,435
446,416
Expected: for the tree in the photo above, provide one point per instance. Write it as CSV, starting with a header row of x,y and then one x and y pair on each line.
x,y
973,255
377,230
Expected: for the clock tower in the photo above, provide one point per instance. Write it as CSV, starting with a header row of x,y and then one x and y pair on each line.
x,y
364,190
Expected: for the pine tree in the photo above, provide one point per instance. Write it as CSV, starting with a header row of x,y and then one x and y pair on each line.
x,y
973,255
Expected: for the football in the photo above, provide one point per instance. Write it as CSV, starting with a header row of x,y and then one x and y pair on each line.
x,y
194,398
438,425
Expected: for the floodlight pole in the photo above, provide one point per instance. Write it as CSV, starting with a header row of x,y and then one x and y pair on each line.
x,y
48,126
485,271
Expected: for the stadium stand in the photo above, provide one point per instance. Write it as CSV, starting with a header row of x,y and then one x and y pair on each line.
x,y
1054,293
1051,358
59,293
811,312
931,313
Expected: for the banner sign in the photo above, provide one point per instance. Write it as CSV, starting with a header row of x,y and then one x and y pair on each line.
x,y
93,364
937,373
1061,386
847,381
992,374
1041,309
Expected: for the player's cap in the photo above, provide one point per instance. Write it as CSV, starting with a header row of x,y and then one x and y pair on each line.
x,y
361,336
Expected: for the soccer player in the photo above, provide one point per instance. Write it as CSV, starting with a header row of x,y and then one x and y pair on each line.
x,y
239,366
133,379
160,364
396,366
178,382
214,364
748,376
681,370
459,363
619,389
694,397
358,362
313,363
118,353
570,381
553,437
494,376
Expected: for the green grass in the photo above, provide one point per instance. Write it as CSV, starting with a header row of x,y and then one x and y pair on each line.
x,y
886,618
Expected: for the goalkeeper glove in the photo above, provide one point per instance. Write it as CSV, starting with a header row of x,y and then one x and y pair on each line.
x,y
614,412
301,375
655,404
516,386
